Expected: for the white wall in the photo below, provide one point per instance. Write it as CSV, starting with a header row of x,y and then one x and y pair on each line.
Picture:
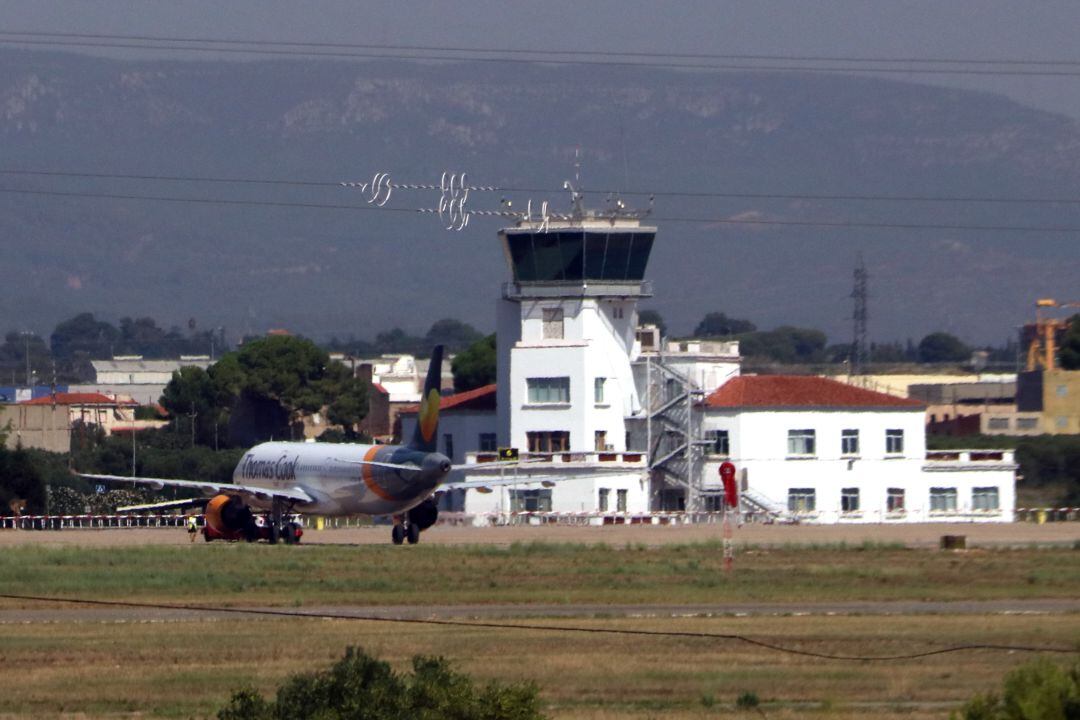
x,y
597,343
759,451
569,495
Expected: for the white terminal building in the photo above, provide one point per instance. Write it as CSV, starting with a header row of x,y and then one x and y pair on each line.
x,y
610,424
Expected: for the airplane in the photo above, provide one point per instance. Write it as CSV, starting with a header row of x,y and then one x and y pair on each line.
x,y
283,478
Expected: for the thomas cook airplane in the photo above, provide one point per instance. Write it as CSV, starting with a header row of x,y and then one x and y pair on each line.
x,y
282,478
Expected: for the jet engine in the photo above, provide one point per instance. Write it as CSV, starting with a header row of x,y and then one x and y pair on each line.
x,y
424,515
231,518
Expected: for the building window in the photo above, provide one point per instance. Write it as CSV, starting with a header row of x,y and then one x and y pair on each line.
x,y
800,442
849,442
985,498
894,441
801,500
548,390
714,503
488,442
601,441
1027,423
1062,422
598,391
849,500
617,312
602,505
942,499
894,500
1062,390
620,500
553,323
719,442
548,441
448,445
998,423
530,500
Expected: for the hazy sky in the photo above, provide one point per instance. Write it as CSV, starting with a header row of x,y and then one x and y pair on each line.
x,y
970,29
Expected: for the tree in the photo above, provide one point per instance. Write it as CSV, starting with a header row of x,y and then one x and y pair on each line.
x,y
653,317
476,366
1069,353
398,341
454,335
194,395
83,334
785,344
263,388
717,324
18,347
20,480
1039,690
941,347
360,686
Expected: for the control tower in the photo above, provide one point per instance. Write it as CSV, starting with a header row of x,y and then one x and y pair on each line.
x,y
565,329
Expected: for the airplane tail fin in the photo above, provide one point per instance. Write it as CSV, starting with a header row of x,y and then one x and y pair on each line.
x,y
426,436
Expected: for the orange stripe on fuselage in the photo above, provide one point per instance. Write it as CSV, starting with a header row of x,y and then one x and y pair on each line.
x,y
367,472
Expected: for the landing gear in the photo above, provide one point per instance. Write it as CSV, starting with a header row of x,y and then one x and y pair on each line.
x,y
404,529
280,528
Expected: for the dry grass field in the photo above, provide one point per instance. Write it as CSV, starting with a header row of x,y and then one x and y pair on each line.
x,y
63,660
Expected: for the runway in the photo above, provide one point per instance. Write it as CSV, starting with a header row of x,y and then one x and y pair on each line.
x,y
920,535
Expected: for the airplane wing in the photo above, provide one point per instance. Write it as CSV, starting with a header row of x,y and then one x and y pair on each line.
x,y
295,494
167,505
548,481
392,466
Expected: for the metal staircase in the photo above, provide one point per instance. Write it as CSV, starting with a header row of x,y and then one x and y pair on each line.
x,y
674,427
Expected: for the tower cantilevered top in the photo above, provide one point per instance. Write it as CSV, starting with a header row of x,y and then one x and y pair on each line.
x,y
592,255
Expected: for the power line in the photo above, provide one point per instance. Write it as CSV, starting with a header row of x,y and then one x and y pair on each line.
x,y
551,53
824,197
551,628
596,58
839,224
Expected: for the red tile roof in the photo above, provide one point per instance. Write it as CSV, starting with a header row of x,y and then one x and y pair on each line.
x,y
482,398
62,398
800,391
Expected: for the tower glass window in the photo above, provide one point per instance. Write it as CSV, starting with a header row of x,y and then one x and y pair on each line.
x,y
548,441
579,255
548,390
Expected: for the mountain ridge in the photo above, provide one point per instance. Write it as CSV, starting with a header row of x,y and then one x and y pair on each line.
x,y
325,271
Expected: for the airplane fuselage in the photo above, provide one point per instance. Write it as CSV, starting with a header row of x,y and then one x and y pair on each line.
x,y
341,478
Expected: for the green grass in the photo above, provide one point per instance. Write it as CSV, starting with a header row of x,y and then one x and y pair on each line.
x,y
189,668
241,574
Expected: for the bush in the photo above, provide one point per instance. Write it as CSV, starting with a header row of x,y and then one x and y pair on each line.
x,y
363,688
1039,690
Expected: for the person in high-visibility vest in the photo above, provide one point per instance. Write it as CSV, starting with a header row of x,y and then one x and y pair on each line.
x,y
192,527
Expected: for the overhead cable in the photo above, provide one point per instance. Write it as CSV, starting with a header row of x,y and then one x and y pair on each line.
x,y
553,628
723,221
687,61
